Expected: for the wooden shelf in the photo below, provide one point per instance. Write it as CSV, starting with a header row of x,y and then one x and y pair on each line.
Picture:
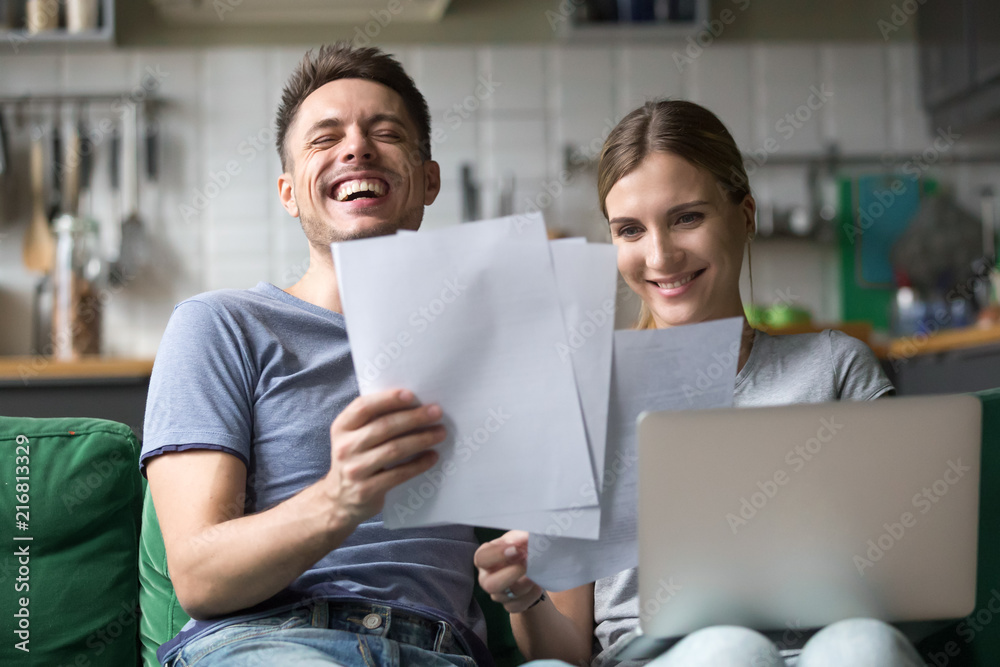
x,y
16,39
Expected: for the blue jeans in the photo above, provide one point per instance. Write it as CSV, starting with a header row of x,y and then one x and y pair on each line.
x,y
856,642
327,634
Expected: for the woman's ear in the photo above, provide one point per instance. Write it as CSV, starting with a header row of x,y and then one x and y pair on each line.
x,y
748,207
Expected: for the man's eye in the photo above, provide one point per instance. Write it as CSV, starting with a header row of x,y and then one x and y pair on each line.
x,y
391,136
322,140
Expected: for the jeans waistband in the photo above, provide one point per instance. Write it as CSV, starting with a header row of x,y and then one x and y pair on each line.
x,y
388,622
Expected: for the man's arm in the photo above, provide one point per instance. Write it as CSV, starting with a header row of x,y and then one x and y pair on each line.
x,y
221,561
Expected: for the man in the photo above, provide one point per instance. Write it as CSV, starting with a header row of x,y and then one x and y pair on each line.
x,y
270,514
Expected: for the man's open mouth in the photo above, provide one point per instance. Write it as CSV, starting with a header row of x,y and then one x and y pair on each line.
x,y
365,188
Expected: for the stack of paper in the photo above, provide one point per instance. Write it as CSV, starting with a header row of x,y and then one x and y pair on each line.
x,y
513,335
496,325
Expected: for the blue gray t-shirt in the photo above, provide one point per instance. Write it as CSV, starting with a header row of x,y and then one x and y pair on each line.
x,y
260,374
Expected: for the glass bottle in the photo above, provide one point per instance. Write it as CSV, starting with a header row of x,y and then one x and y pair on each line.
x,y
77,305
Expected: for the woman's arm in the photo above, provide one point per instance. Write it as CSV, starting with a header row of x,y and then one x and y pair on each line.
x,y
559,627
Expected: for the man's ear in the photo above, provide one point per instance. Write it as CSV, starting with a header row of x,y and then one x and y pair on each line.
x,y
432,181
287,195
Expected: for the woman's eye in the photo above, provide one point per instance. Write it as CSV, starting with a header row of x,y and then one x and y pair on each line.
x,y
628,232
689,218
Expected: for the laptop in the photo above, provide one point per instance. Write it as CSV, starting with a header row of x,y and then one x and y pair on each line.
x,y
791,518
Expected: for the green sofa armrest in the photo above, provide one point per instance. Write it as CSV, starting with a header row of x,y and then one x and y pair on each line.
x,y
70,507
975,640
162,615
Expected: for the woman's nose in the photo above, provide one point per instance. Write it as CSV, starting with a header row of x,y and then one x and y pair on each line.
x,y
664,252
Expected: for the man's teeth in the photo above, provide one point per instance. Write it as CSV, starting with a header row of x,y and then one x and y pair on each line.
x,y
682,281
348,188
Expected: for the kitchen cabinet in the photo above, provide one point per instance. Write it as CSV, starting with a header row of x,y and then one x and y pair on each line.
x,y
960,61
985,20
102,388
945,57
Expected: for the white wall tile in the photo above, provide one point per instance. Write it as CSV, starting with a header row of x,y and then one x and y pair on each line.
x,y
786,78
514,145
908,122
25,74
446,76
519,76
856,117
583,95
646,73
454,142
237,273
447,208
720,80
98,72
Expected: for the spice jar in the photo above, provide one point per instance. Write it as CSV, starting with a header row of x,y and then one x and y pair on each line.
x,y
76,313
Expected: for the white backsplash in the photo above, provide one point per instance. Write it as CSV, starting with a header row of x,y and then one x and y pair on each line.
x,y
215,213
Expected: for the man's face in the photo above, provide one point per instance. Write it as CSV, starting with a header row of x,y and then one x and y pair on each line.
x,y
355,170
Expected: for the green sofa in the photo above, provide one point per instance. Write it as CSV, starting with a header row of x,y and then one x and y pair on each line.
x,y
84,571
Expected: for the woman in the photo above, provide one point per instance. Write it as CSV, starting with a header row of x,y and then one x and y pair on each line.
x,y
672,184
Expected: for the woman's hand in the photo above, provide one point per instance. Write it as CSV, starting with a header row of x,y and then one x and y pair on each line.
x,y
502,566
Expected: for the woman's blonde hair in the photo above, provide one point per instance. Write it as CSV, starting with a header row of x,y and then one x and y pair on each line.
x,y
685,129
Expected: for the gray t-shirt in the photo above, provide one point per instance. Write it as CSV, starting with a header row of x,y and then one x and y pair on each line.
x,y
781,370
260,374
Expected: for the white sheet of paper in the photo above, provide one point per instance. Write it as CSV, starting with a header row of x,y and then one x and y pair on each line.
x,y
586,275
471,320
688,367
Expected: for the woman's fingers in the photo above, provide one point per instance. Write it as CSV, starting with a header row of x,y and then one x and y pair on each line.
x,y
512,547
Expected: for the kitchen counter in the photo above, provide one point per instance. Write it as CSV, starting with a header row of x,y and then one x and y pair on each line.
x,y
950,361
943,341
26,369
107,388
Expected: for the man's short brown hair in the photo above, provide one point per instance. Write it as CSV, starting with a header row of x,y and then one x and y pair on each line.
x,y
342,61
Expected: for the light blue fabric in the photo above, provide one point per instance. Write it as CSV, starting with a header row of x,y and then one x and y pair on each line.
x,y
322,636
856,642
261,375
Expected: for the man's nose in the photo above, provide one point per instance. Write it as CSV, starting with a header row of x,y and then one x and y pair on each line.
x,y
357,147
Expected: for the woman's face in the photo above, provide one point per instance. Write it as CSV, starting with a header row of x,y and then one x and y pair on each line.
x,y
680,240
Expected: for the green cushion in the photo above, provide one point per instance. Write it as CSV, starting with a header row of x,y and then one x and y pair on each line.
x,y
975,640
162,615
75,593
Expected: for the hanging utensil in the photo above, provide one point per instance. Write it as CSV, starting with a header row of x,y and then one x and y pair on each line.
x,y
71,172
134,254
55,192
39,246
86,163
3,146
152,150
